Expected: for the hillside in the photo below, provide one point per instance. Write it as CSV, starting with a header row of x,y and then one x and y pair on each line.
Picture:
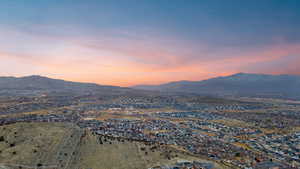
x,y
66,146
241,84
31,85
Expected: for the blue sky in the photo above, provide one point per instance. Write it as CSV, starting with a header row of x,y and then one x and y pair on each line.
x,y
127,42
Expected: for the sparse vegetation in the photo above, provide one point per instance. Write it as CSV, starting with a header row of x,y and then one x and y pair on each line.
x,y
90,153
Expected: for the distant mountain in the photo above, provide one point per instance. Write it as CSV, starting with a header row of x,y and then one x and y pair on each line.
x,y
32,85
241,84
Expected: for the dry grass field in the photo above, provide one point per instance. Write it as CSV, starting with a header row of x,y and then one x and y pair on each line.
x,y
29,145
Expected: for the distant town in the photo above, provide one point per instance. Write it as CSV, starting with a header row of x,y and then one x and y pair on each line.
x,y
234,133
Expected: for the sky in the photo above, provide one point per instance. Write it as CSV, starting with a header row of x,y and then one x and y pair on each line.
x,y
130,42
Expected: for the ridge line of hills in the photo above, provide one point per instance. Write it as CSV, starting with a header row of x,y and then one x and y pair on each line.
x,y
35,85
240,84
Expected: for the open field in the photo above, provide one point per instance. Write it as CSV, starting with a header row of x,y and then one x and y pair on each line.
x,y
32,144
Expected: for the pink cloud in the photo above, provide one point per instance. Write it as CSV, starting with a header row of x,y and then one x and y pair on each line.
x,y
128,61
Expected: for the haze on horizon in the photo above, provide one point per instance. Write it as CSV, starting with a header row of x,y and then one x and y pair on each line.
x,y
133,42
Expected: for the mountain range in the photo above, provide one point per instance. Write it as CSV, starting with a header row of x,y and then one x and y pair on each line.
x,y
32,85
240,84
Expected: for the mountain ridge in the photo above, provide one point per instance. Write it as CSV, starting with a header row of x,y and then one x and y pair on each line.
x,y
240,84
37,84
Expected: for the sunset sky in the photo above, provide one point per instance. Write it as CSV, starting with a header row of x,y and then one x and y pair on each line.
x,y
129,42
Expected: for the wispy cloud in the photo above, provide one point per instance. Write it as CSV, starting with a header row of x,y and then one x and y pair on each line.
x,y
132,43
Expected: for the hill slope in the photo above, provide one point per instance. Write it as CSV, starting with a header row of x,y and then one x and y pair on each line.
x,y
241,84
31,85
66,146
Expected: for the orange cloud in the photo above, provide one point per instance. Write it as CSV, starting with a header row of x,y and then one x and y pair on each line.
x,y
131,61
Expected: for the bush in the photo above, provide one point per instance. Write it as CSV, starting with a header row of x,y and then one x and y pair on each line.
x,y
1,138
